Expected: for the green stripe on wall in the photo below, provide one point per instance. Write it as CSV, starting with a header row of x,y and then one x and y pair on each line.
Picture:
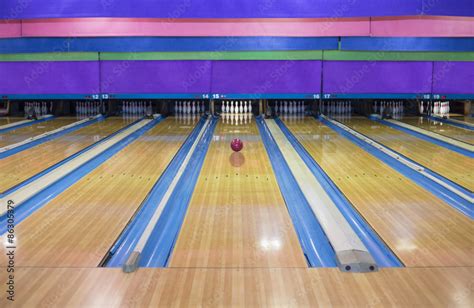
x,y
247,55
53,56
342,55
228,55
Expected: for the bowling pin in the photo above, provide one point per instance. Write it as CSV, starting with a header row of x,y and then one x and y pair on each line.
x,y
232,107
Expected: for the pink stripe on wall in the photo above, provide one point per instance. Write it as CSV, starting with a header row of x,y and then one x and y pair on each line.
x,y
10,29
193,27
429,26
420,26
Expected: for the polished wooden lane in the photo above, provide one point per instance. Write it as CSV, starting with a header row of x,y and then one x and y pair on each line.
x,y
452,165
22,133
441,128
421,229
23,165
248,287
78,227
468,119
9,120
237,216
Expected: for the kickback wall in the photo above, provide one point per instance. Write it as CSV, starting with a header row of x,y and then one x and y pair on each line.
x,y
239,77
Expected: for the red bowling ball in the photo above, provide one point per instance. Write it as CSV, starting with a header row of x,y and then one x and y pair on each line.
x,y
236,145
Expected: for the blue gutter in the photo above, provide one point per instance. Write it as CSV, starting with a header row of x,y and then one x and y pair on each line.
x,y
25,124
313,240
47,170
455,201
126,242
426,138
34,203
44,139
448,121
382,254
160,245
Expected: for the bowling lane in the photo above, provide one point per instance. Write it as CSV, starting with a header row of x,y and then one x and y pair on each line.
x,y
78,227
468,119
22,133
23,165
452,165
9,120
421,229
237,216
441,128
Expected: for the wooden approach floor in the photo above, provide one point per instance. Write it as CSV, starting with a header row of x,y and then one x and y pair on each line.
x,y
29,131
452,165
25,164
441,128
242,287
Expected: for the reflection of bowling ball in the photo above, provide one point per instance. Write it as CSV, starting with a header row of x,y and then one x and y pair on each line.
x,y
236,145
237,159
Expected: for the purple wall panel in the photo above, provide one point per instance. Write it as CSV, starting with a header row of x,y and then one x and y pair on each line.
x,y
253,77
453,78
209,9
155,76
448,7
376,77
78,77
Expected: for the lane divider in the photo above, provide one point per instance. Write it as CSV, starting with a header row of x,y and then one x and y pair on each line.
x,y
351,253
35,194
443,141
16,125
126,242
39,139
314,242
458,197
156,242
382,254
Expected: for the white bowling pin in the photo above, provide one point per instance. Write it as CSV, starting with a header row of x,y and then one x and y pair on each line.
x,y
232,107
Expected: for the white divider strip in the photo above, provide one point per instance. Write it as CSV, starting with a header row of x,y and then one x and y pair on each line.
x,y
23,122
154,219
448,140
337,229
26,141
39,184
404,161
